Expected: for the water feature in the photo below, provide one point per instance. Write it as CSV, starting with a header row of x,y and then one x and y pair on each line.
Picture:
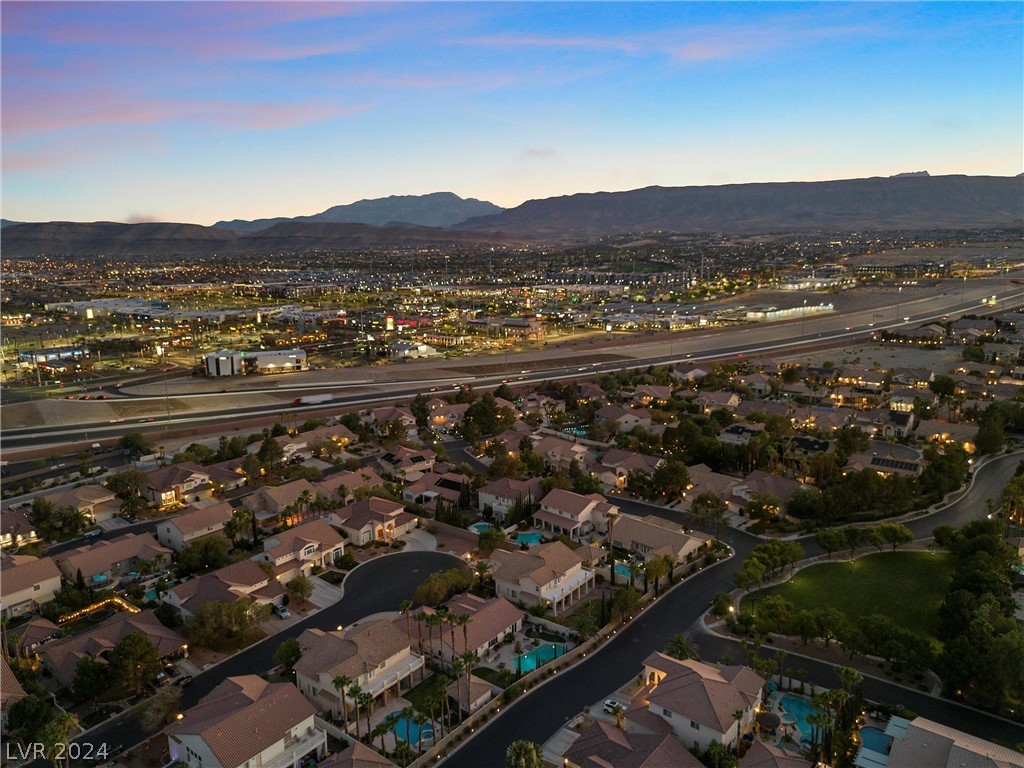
x,y
408,730
529,539
538,657
800,708
480,527
875,739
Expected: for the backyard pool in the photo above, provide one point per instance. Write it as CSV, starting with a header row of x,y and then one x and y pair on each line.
x,y
408,730
538,657
875,739
480,527
150,594
800,708
621,569
529,539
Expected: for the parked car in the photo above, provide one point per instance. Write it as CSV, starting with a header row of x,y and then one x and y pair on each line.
x,y
283,612
611,706
183,682
161,680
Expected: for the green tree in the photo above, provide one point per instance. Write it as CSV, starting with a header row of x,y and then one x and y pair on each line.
x,y
134,661
206,554
489,540
671,479
524,754
92,679
830,539
625,604
682,647
300,588
136,443
288,653
895,534
56,735
160,709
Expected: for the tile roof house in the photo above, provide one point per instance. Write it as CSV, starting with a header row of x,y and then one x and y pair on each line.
x,y
174,485
704,480
61,656
224,475
379,417
624,419
573,514
714,401
470,698
11,691
560,454
765,483
181,530
688,372
430,486
740,433
884,465
405,463
374,654
26,584
270,503
94,501
651,394
504,492
614,467
330,487
356,755
921,742
652,536
102,564
697,700
29,636
603,745
550,573
246,722
244,579
445,416
16,528
296,550
764,755
375,519
490,620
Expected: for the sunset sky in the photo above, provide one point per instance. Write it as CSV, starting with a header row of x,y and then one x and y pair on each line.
x,y
200,111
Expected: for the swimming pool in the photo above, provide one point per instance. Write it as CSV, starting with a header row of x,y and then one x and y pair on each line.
x,y
480,527
801,709
875,739
150,594
538,657
576,431
408,730
621,569
529,539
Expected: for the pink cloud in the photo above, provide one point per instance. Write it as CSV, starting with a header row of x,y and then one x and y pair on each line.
x,y
537,41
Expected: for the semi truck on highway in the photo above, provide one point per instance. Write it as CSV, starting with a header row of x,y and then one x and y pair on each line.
x,y
312,399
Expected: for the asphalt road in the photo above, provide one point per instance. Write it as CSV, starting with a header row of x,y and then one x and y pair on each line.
x,y
378,585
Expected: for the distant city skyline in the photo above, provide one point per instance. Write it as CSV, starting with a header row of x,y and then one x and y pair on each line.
x,y
196,112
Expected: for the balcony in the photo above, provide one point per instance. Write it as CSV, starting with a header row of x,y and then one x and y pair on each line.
x,y
297,748
376,685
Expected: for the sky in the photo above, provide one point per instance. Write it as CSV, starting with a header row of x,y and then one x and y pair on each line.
x,y
201,111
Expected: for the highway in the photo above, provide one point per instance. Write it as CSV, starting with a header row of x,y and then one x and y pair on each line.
x,y
832,329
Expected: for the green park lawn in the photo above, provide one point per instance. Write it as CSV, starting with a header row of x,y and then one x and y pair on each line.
x,y
908,587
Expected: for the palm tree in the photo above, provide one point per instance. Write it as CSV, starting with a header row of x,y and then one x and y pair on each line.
x,y
340,683
524,754
738,717
483,571
682,647
405,607
449,619
618,710
356,694
421,618
379,730
421,720
469,658
610,518
458,667
243,520
56,735
634,571
366,700
463,620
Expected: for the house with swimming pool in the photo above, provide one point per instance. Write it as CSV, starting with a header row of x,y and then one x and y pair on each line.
x,y
696,701
375,655
502,494
547,573
490,619
572,514
104,563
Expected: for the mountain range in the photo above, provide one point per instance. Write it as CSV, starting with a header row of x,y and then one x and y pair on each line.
x,y
438,209
914,201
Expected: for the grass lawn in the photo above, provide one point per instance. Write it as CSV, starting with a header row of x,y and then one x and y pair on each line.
x,y
492,676
420,695
908,587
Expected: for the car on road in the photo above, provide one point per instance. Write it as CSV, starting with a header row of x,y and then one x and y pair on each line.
x,y
611,706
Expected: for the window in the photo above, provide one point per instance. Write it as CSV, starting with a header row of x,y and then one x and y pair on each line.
x,y
694,725
309,550
36,587
666,712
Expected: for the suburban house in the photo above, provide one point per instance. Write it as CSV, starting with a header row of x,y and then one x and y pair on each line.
x,y
174,485
61,656
695,700
651,394
574,515
588,392
356,755
331,487
470,698
26,583
27,637
11,691
740,433
703,479
16,529
547,573
375,519
884,465
764,483
603,745
181,530
559,454
224,475
375,655
501,494
430,486
404,463
295,551
689,373
652,536
921,742
246,722
614,467
271,504
624,419
104,563
715,401
329,439
244,579
95,502
490,619
378,418
445,416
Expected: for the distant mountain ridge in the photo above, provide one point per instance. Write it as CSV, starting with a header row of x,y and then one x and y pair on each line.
x,y
193,240
438,209
915,201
